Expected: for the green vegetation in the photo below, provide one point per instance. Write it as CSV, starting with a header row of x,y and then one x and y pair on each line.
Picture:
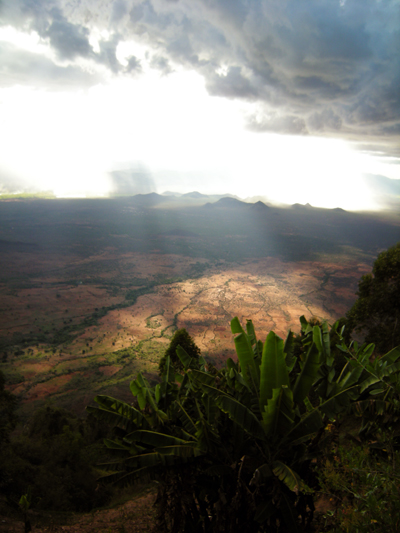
x,y
184,340
245,444
53,459
376,312
253,445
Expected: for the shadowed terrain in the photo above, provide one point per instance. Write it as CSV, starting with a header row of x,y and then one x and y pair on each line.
x,y
91,291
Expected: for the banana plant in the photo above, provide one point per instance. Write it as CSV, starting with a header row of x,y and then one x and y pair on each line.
x,y
239,442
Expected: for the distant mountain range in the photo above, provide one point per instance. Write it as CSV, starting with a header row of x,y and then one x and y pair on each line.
x,y
215,202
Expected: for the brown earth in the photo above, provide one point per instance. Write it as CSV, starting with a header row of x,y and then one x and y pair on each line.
x,y
272,292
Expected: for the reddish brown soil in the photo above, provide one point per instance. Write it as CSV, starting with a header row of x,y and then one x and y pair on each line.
x,y
273,293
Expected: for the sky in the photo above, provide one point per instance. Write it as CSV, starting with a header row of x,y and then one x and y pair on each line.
x,y
294,101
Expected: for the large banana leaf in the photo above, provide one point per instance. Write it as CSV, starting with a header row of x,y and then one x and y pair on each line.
x,y
288,350
154,438
237,412
338,401
392,356
199,377
187,421
286,474
184,452
141,389
245,355
274,372
309,424
307,375
241,415
117,413
278,414
122,446
184,357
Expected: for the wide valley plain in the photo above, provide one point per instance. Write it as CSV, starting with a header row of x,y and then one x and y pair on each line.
x,y
91,291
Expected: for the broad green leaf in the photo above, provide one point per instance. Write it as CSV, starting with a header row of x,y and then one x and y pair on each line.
x,y
352,377
326,343
371,380
251,332
236,411
317,340
241,415
169,374
179,451
274,372
245,355
231,365
157,392
288,350
336,403
304,323
236,326
286,474
310,423
375,392
199,378
392,356
278,414
116,445
186,420
141,389
307,375
116,412
184,357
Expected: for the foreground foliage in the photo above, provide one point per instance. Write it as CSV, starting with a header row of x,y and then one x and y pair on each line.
x,y
236,448
52,460
377,309
364,489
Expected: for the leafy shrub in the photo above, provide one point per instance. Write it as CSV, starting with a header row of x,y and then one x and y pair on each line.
x,y
235,449
54,459
377,309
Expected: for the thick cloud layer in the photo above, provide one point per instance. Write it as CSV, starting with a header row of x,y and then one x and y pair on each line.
x,y
327,67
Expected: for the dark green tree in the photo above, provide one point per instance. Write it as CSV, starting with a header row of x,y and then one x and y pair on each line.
x,y
376,313
181,338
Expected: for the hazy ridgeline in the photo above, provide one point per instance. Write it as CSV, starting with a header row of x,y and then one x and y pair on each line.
x,y
228,229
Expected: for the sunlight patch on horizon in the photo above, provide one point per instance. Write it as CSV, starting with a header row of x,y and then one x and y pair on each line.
x,y
69,142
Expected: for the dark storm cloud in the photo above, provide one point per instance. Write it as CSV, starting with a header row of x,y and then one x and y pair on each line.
x,y
325,120
231,85
133,65
70,40
326,66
